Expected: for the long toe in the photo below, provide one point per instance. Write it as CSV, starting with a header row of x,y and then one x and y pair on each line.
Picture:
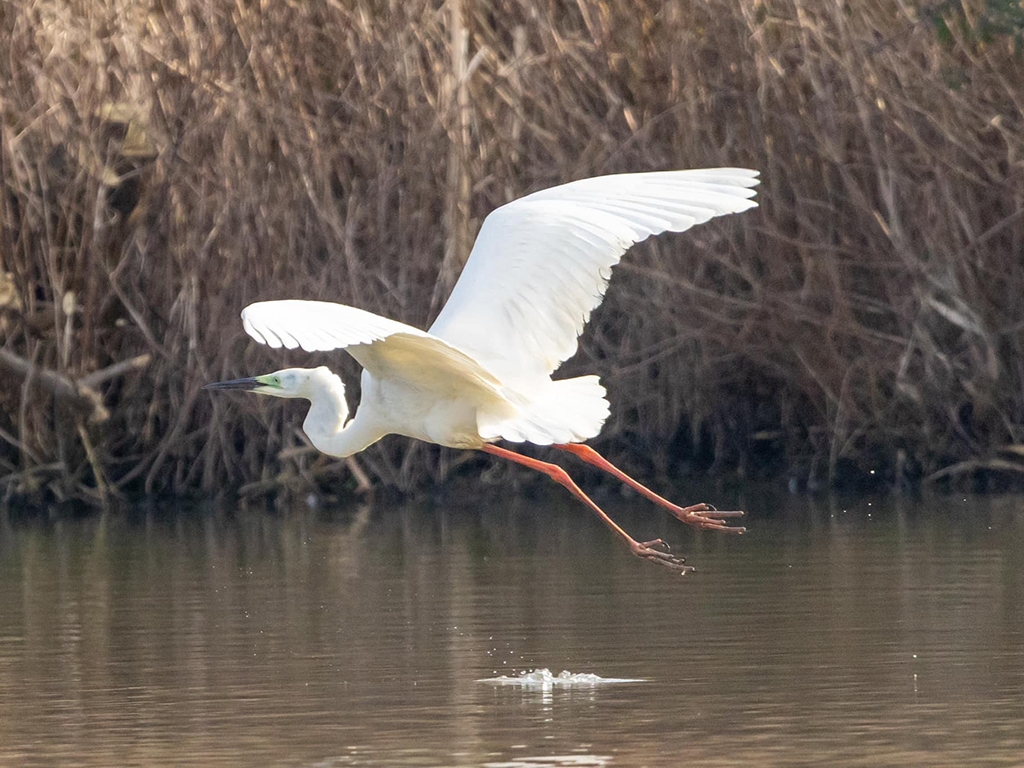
x,y
707,518
659,544
659,554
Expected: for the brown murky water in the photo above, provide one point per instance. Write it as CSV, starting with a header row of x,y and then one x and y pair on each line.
x,y
860,632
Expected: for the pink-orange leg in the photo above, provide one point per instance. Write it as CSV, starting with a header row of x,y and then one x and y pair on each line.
x,y
699,515
656,551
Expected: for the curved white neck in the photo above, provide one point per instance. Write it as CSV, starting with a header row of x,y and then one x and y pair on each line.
x,y
326,427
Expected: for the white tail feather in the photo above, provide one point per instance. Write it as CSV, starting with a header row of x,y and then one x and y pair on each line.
x,y
569,411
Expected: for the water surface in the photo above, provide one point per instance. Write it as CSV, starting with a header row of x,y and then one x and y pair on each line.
x,y
860,632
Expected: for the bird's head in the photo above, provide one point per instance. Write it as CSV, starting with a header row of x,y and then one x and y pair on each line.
x,y
288,382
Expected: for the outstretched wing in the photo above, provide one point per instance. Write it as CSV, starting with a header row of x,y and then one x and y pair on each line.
x,y
386,348
541,264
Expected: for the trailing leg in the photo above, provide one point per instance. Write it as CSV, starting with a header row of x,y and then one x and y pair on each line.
x,y
656,551
701,515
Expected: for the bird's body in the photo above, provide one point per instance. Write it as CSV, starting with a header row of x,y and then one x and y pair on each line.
x,y
483,371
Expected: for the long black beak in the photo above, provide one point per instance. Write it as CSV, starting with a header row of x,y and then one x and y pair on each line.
x,y
243,384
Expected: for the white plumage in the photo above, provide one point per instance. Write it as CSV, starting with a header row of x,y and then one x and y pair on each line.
x,y
539,267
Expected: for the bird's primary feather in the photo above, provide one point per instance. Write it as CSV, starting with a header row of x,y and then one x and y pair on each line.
x,y
540,264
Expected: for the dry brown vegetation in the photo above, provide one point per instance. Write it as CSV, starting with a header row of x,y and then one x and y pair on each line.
x,y
165,163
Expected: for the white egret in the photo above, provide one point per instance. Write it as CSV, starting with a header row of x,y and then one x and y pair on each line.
x,y
482,373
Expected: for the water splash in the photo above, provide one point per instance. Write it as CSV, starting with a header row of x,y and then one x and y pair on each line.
x,y
542,678
555,761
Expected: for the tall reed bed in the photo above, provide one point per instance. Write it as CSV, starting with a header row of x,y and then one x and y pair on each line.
x,y
165,163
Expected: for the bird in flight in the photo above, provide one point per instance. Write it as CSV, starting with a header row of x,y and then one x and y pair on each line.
x,y
483,371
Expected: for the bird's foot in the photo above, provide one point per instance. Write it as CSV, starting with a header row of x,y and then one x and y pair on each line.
x,y
659,552
707,518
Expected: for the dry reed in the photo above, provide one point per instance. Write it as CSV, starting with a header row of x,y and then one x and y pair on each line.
x,y
164,164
